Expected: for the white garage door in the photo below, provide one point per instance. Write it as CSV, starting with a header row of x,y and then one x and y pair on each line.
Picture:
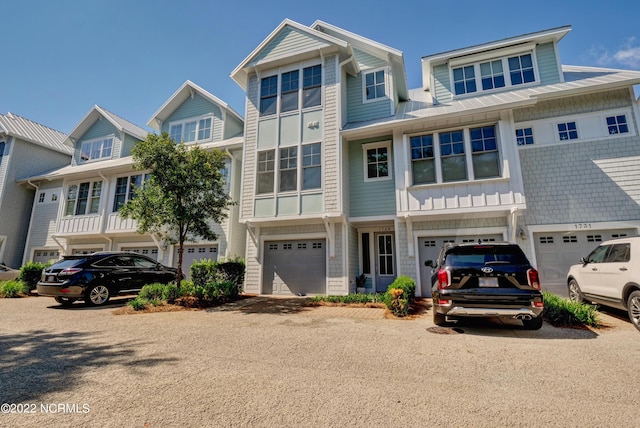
x,y
556,252
429,249
77,251
46,256
151,252
295,267
193,253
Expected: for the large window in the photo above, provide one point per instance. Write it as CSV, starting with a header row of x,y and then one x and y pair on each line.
x,y
484,150
126,189
312,86
191,130
423,159
464,80
289,90
311,166
268,95
521,69
288,169
83,198
375,85
453,160
490,75
96,149
377,161
266,171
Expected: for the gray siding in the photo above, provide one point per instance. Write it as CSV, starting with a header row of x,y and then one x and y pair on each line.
x,y
232,127
331,144
442,83
368,61
371,198
101,128
195,107
128,144
547,64
289,42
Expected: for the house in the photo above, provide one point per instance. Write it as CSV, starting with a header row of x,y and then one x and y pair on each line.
x,y
26,148
348,171
100,179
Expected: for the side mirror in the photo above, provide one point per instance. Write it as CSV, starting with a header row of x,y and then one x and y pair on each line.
x,y
583,261
429,263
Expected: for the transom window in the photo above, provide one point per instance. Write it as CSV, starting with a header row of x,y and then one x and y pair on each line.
x,y
617,124
524,136
378,163
567,131
288,86
490,75
191,130
126,189
96,149
83,198
375,85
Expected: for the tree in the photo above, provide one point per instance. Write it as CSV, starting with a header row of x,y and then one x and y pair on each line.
x,y
183,195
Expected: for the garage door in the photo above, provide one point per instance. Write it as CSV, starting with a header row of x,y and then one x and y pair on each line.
x,y
151,252
86,250
295,267
429,249
45,256
193,253
556,252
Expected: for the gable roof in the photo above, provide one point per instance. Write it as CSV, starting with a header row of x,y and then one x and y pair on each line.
x,y
187,89
27,130
255,62
118,122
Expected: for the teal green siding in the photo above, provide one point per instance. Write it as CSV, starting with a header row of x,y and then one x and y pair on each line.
x,y
366,60
232,127
372,198
547,64
357,111
287,43
442,83
128,144
101,128
195,107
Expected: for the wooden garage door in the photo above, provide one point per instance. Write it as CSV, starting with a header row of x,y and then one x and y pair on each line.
x,y
557,251
295,267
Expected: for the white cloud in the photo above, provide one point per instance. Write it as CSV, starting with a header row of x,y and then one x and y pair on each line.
x,y
627,55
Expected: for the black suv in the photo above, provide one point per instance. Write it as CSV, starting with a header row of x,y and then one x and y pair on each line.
x,y
485,280
96,277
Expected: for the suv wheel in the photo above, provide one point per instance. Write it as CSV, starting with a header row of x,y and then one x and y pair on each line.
x,y
633,307
97,295
65,301
533,324
575,294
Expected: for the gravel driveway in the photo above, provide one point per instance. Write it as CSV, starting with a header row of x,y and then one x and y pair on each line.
x,y
289,365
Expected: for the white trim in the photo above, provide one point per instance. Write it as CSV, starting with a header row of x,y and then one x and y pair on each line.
x,y
387,84
376,145
90,143
493,54
197,120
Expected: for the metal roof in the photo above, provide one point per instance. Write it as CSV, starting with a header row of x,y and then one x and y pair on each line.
x,y
118,122
27,130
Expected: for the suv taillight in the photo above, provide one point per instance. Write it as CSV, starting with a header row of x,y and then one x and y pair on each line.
x,y
70,271
444,278
534,280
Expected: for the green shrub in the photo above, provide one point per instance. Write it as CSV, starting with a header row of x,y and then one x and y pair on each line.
x,y
400,296
559,311
152,291
139,303
209,271
31,273
187,289
232,270
13,288
203,272
170,293
350,298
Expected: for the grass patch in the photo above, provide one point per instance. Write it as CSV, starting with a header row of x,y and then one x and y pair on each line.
x,y
13,288
349,299
561,312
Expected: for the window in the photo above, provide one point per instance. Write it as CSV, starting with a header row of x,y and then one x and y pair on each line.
x,y
521,69
567,131
598,255
289,91
83,198
617,124
2,144
268,95
453,160
485,157
311,86
311,166
546,239
126,189
524,136
191,130
41,197
377,161
619,253
422,159
288,169
374,85
492,75
96,149
571,239
266,169
464,80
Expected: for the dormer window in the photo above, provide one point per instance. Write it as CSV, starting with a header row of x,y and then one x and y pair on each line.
x,y
96,149
375,85
191,130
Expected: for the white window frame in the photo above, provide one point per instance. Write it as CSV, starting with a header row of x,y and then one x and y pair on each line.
x,y
90,143
300,67
387,85
197,120
90,198
128,194
365,164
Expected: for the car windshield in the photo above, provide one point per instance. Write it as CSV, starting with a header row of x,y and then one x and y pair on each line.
x,y
67,263
482,255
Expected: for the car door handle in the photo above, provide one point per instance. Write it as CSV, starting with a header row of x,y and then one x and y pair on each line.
x,y
595,269
623,268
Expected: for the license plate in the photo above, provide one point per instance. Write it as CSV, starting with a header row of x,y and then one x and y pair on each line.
x,y
51,278
488,282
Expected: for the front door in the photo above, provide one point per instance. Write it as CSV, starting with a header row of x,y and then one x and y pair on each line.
x,y
385,269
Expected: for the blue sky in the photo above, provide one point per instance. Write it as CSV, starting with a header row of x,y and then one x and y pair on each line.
x,y
61,57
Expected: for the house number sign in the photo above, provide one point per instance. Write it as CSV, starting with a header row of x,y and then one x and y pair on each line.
x,y
582,225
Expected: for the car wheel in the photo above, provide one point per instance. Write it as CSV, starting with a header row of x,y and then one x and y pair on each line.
x,y
65,301
97,295
533,324
633,307
575,294
439,319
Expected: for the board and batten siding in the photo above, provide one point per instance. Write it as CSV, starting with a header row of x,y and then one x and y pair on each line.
x,y
547,64
289,42
197,106
101,128
369,198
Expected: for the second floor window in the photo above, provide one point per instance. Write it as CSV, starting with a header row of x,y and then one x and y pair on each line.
x,y
266,170
288,85
377,161
524,136
83,198
292,175
96,149
423,159
374,85
567,131
269,95
615,125
126,189
1,151
191,130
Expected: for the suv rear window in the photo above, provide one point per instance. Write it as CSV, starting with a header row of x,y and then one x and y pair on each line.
x,y
67,263
482,255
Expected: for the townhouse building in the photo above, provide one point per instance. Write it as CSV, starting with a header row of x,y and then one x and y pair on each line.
x,y
348,171
26,148
75,210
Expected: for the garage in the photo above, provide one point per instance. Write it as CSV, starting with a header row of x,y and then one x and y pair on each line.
x,y
193,253
80,251
429,248
295,267
151,252
557,251
45,256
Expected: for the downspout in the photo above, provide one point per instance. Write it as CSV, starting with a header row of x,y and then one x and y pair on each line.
x,y
513,223
26,247
331,230
409,224
103,220
231,221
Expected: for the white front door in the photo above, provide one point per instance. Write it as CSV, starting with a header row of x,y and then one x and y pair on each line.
x,y
385,266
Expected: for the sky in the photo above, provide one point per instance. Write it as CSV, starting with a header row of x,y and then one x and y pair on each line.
x,y
62,57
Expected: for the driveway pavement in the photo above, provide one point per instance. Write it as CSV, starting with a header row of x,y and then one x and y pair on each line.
x,y
275,362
